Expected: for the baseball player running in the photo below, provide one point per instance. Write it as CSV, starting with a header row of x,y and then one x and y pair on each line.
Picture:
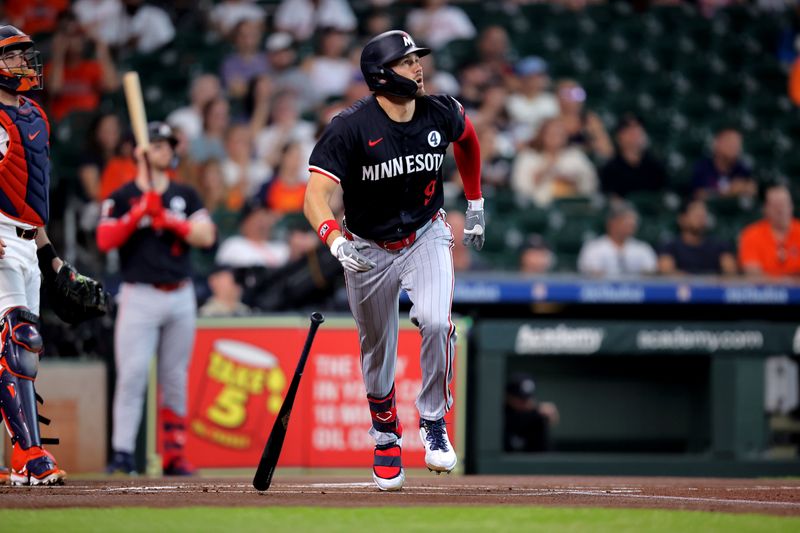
x,y
25,256
154,222
386,152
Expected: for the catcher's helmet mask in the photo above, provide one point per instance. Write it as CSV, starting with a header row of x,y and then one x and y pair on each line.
x,y
379,53
23,78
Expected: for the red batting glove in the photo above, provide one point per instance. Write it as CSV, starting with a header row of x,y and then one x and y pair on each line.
x,y
168,221
152,203
157,221
148,204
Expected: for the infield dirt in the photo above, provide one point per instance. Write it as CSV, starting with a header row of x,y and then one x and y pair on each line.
x,y
765,496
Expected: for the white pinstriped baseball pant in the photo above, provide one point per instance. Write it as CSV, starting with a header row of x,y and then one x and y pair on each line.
x,y
425,271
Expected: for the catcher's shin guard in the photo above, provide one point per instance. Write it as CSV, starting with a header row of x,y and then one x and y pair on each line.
x,y
21,345
19,364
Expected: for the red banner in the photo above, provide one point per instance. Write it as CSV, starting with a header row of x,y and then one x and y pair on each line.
x,y
239,375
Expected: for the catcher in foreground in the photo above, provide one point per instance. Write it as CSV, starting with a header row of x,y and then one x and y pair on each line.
x,y
24,199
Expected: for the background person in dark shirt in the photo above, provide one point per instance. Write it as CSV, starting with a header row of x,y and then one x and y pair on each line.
x,y
723,173
633,167
692,252
527,420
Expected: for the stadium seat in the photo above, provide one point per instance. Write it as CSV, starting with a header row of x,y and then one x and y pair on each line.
x,y
566,262
571,237
656,230
496,228
501,200
71,133
538,15
530,220
455,54
578,205
726,207
652,202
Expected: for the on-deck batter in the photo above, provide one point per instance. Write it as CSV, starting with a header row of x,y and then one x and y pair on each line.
x,y
386,152
154,229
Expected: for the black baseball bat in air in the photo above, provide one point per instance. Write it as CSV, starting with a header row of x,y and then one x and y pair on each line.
x,y
272,451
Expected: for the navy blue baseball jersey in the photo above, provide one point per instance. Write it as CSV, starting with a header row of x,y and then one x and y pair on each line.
x,y
151,256
390,172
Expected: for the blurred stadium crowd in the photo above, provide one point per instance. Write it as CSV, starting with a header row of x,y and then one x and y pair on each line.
x,y
599,121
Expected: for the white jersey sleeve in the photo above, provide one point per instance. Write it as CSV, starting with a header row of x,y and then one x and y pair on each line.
x,y
3,142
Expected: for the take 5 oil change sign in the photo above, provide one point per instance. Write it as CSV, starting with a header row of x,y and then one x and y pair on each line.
x,y
238,378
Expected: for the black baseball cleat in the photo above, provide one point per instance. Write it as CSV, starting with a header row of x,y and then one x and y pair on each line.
x,y
179,466
122,462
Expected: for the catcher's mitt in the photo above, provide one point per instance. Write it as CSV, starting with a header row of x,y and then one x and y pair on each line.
x,y
75,297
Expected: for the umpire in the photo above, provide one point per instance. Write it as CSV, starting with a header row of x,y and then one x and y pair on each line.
x,y
386,152
154,222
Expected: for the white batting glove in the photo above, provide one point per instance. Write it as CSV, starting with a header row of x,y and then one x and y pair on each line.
x,y
474,224
347,252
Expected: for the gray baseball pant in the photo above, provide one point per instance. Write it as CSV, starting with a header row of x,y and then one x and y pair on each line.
x,y
150,321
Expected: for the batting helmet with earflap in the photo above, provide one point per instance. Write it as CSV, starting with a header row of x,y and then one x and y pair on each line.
x,y
382,50
161,131
25,76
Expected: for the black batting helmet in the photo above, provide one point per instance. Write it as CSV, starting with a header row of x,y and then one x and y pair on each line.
x,y
161,131
382,50
24,77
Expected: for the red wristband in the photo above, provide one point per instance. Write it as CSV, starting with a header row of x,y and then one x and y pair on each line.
x,y
326,228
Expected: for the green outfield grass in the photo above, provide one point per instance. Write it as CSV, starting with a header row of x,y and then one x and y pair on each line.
x,y
395,519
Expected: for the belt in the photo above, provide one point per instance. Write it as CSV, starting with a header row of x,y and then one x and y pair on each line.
x,y
169,287
393,246
27,234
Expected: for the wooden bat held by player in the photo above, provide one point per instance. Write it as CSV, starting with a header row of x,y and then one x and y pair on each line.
x,y
136,112
272,451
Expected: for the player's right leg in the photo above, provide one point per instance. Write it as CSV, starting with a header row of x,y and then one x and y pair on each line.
x,y
19,365
373,298
135,341
387,465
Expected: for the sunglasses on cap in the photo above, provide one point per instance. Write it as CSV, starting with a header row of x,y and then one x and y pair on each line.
x,y
576,94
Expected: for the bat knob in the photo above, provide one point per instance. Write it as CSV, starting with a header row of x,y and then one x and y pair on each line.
x,y
317,317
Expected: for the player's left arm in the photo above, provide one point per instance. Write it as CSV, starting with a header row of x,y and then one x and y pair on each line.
x,y
202,231
197,229
74,297
45,250
467,152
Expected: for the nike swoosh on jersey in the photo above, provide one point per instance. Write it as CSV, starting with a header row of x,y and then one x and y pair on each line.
x,y
373,143
34,135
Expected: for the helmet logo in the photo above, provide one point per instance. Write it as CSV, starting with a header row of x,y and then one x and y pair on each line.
x,y
407,40
434,138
